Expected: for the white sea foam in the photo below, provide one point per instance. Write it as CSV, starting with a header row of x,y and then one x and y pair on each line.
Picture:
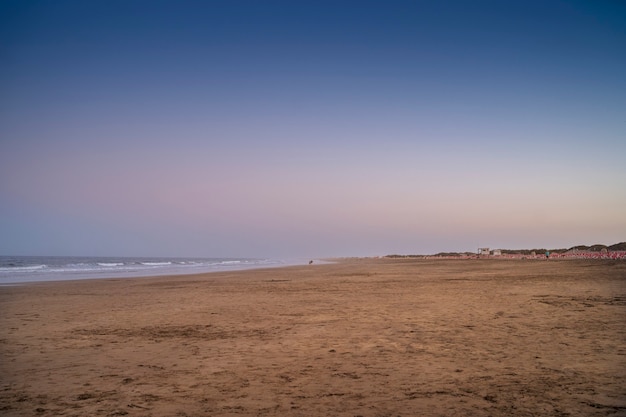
x,y
156,263
22,268
111,263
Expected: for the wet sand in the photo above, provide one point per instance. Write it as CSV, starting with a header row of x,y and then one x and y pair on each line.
x,y
359,338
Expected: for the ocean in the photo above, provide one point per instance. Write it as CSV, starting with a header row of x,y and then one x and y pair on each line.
x,y
23,269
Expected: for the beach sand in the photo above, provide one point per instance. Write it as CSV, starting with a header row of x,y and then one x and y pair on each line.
x,y
363,337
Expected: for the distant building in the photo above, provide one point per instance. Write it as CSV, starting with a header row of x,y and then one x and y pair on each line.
x,y
483,251
496,252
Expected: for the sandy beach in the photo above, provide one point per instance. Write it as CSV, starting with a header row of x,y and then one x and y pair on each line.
x,y
362,337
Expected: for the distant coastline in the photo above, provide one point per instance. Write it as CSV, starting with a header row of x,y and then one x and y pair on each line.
x,y
597,251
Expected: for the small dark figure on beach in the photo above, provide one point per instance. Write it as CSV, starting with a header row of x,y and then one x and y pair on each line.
x,y
310,262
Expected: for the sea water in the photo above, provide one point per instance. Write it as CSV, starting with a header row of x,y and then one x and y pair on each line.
x,y
22,269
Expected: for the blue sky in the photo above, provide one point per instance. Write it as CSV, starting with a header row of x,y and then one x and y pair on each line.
x,y
280,129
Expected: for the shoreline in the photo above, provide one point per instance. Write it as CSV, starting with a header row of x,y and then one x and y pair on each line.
x,y
380,260
173,271
169,270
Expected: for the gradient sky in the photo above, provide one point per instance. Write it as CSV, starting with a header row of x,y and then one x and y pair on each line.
x,y
310,128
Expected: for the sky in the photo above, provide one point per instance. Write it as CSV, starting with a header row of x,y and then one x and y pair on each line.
x,y
310,128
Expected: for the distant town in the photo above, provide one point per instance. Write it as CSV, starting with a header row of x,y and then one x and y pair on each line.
x,y
598,251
